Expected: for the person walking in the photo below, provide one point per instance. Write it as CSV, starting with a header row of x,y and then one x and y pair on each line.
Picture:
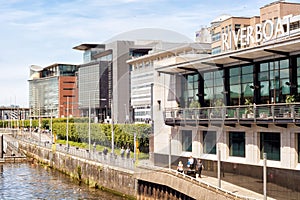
x,y
122,152
199,167
128,153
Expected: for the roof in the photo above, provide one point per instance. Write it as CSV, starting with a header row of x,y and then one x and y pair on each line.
x,y
84,47
221,18
276,49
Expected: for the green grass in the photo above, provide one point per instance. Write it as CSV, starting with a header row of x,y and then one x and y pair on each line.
x,y
81,145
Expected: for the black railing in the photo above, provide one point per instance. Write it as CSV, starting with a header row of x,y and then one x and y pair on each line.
x,y
263,112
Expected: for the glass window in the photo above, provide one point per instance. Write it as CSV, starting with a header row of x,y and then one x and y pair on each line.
x,y
186,140
270,144
284,64
213,86
237,144
209,142
264,67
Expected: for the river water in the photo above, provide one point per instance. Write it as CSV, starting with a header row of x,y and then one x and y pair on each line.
x,y
28,181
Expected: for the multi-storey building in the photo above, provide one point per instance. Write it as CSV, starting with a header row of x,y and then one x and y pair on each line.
x,y
103,79
248,96
232,33
53,91
143,72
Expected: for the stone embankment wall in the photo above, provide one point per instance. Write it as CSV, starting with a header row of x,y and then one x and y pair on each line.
x,y
95,174
143,183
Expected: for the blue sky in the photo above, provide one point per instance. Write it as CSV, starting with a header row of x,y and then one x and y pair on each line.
x,y
43,32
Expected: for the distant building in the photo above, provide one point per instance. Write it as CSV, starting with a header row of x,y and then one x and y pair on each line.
x,y
53,91
143,73
203,35
103,80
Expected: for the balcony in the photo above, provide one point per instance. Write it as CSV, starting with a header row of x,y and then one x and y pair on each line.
x,y
280,114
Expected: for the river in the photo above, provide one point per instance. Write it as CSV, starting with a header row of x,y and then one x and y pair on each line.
x,y
28,181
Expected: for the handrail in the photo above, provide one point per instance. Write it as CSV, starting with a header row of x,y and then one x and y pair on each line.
x,y
270,112
200,181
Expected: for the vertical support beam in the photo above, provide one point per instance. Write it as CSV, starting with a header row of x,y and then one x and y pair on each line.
x,y
265,175
134,147
219,167
1,146
170,151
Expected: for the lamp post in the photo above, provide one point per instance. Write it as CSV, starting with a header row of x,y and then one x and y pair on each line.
x,y
89,121
51,121
112,130
67,133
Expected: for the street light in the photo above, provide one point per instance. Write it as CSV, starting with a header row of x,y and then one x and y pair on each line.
x,y
67,133
112,130
89,121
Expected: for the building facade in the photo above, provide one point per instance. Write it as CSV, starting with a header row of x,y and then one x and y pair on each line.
x,y
103,80
143,73
53,91
248,103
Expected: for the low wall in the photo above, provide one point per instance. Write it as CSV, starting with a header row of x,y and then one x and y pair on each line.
x,y
119,181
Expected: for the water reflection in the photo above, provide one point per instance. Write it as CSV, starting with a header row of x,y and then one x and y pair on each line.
x,y
27,181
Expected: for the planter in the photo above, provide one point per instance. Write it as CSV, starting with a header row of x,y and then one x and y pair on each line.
x,y
250,115
263,115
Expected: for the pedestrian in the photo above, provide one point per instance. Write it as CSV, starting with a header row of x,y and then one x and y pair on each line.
x,y
94,145
122,152
199,167
190,163
180,167
105,151
128,152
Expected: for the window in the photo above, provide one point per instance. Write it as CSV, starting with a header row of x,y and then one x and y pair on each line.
x,y
216,50
186,140
209,142
241,80
273,77
237,144
270,144
213,87
190,89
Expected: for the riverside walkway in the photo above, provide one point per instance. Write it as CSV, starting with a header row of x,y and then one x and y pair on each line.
x,y
147,171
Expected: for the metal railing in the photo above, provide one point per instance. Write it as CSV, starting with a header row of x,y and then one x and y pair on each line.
x,y
271,112
94,155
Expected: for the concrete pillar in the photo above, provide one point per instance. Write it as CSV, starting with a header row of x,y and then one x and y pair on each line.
x,y
1,146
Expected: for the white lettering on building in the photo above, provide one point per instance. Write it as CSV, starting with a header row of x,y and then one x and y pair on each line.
x,y
254,35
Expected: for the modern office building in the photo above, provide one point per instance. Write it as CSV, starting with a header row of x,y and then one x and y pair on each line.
x,y
53,91
103,80
248,93
143,72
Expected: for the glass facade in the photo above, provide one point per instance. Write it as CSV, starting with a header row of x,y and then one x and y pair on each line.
x,y
273,78
270,144
89,86
44,97
209,142
237,144
190,89
213,87
241,82
186,140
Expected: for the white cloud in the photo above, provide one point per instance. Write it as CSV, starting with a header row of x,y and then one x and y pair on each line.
x,y
44,32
